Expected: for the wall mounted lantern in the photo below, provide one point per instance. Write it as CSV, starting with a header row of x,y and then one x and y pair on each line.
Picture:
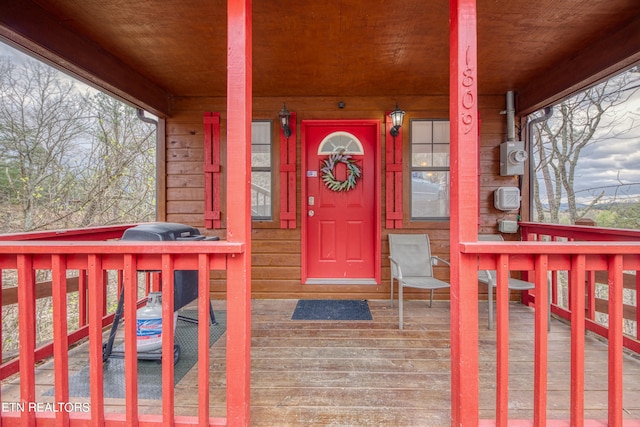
x,y
284,120
396,120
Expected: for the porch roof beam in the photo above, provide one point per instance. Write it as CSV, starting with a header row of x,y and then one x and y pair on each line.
x,y
620,50
29,27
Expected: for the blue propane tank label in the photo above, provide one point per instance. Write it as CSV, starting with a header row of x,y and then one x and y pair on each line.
x,y
149,327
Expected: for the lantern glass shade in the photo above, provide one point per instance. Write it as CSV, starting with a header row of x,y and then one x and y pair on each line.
x,y
396,121
396,117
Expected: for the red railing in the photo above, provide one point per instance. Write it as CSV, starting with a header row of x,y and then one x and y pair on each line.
x,y
596,280
76,283
577,259
94,260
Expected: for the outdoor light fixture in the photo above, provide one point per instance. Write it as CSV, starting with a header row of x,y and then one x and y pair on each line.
x,y
396,120
284,120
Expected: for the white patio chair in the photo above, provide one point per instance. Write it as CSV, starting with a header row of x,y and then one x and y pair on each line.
x,y
489,278
411,266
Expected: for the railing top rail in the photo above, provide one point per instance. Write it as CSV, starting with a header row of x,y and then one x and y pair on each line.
x,y
566,248
581,232
121,247
87,233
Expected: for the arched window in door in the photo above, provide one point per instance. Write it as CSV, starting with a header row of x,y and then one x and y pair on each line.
x,y
340,142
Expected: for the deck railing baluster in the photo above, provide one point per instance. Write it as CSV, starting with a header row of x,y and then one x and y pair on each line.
x,y
204,323
82,298
540,340
615,339
168,282
60,334
502,340
96,296
577,282
26,322
591,295
130,339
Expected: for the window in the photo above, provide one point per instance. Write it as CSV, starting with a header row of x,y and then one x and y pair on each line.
x,y
429,169
341,142
261,170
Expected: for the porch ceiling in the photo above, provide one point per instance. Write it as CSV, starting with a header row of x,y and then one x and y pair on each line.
x,y
341,48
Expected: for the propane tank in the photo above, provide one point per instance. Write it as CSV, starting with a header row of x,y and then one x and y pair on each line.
x,y
149,324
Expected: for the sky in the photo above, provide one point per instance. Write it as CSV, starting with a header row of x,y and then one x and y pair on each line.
x,y
611,164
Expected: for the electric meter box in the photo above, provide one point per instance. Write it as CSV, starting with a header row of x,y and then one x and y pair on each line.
x,y
512,158
506,198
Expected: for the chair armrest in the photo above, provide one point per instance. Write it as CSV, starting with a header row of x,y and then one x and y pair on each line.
x,y
490,274
397,267
487,278
436,259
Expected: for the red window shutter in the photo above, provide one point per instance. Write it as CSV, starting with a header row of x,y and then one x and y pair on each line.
x,y
288,176
393,184
211,170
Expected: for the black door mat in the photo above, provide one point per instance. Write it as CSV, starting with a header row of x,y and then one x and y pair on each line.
x,y
149,372
332,310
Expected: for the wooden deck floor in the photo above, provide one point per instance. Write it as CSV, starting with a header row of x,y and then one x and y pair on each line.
x,y
366,373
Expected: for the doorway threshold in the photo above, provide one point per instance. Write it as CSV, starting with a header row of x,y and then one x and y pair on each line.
x,y
334,281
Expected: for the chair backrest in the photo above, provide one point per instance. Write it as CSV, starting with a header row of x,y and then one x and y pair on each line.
x,y
412,252
485,276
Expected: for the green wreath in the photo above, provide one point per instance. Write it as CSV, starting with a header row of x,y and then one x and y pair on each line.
x,y
330,181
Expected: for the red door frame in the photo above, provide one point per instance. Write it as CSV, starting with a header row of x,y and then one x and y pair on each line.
x,y
376,190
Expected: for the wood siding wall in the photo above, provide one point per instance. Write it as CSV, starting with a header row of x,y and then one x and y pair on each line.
x,y
276,257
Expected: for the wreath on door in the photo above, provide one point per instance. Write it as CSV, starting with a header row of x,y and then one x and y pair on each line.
x,y
328,174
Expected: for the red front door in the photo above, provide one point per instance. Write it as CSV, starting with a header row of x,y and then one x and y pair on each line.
x,y
341,230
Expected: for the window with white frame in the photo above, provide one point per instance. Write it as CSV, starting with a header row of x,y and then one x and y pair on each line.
x,y
261,170
430,170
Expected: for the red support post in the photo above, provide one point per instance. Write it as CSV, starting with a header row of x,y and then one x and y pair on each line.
x,y
464,201
239,107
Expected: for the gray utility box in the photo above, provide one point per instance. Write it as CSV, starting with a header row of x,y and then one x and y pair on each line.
x,y
512,158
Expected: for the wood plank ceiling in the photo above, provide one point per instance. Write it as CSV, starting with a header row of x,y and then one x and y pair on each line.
x,y
333,48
